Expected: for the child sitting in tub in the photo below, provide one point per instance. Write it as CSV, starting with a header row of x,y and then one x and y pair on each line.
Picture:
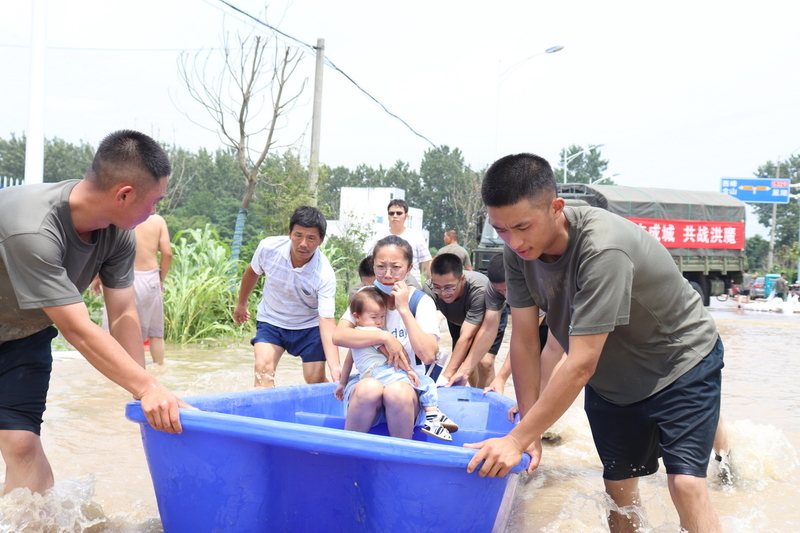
x,y
368,308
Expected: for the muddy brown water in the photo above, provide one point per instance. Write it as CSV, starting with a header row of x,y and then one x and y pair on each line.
x,y
103,484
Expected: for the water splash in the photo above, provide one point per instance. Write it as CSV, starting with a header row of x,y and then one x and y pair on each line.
x,y
760,454
66,508
775,305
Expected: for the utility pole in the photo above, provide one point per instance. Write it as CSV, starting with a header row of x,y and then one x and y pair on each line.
x,y
313,164
34,139
774,216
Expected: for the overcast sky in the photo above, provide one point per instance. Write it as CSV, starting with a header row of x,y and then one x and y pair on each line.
x,y
680,93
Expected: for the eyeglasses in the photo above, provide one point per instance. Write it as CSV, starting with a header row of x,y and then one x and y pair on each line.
x,y
446,290
396,271
396,213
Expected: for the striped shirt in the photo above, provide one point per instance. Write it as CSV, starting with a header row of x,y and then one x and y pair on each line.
x,y
293,298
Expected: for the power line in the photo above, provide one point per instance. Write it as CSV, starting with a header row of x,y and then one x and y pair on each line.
x,y
93,49
333,66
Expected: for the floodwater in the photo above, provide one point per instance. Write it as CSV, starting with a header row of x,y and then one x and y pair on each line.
x,y
103,484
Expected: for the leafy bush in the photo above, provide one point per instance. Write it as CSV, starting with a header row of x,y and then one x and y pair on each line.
x,y
201,289
341,266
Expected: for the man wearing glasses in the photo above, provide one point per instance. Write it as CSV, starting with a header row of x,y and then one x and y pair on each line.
x,y
398,213
461,298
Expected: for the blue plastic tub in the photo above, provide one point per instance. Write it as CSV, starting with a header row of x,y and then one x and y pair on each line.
x,y
278,460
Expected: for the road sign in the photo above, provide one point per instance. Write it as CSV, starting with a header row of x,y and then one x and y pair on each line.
x,y
757,190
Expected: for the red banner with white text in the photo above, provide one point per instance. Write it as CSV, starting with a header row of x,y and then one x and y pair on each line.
x,y
694,233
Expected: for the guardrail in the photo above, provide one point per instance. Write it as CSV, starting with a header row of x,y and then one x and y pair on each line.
x,y
8,181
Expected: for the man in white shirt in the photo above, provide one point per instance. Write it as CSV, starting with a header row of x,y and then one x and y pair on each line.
x,y
296,313
398,213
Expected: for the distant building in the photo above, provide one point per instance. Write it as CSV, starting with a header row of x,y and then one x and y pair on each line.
x,y
366,207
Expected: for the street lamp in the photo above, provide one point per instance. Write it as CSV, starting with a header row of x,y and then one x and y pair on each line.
x,y
551,50
604,178
775,216
797,197
566,159
500,79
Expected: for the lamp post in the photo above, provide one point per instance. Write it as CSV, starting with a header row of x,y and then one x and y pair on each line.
x,y
775,216
566,160
604,178
797,197
501,76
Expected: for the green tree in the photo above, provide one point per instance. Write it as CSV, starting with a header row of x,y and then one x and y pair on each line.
x,y
402,176
62,160
786,220
205,188
442,172
285,188
12,158
333,179
585,168
66,161
756,250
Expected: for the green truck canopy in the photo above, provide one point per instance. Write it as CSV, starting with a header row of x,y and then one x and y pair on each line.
x,y
641,202
668,204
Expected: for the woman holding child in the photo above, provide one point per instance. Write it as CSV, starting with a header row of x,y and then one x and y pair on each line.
x,y
405,337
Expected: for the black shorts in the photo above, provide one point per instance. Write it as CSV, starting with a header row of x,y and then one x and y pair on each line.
x,y
677,424
25,366
455,332
745,292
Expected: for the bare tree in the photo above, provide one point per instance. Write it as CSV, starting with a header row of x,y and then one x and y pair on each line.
x,y
245,99
464,195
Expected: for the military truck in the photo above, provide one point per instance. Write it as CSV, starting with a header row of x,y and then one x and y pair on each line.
x,y
703,231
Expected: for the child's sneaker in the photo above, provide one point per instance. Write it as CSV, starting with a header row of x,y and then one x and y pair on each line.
x,y
442,419
436,430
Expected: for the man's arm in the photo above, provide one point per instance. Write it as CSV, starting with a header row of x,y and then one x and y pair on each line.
x,y
500,455
165,249
461,348
499,383
551,360
484,338
326,329
106,355
525,354
123,321
249,280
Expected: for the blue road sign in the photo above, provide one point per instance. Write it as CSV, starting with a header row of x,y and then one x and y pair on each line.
x,y
757,190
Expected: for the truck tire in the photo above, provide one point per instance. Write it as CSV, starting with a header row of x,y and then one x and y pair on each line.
x,y
703,296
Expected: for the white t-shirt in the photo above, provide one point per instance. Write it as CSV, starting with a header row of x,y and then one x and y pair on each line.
x,y
418,246
294,298
426,317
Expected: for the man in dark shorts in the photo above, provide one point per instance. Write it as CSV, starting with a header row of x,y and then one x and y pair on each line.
x,y
296,313
781,287
54,238
744,292
637,337
477,334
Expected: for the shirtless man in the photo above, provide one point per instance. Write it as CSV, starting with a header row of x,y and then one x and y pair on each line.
x,y
152,239
150,270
